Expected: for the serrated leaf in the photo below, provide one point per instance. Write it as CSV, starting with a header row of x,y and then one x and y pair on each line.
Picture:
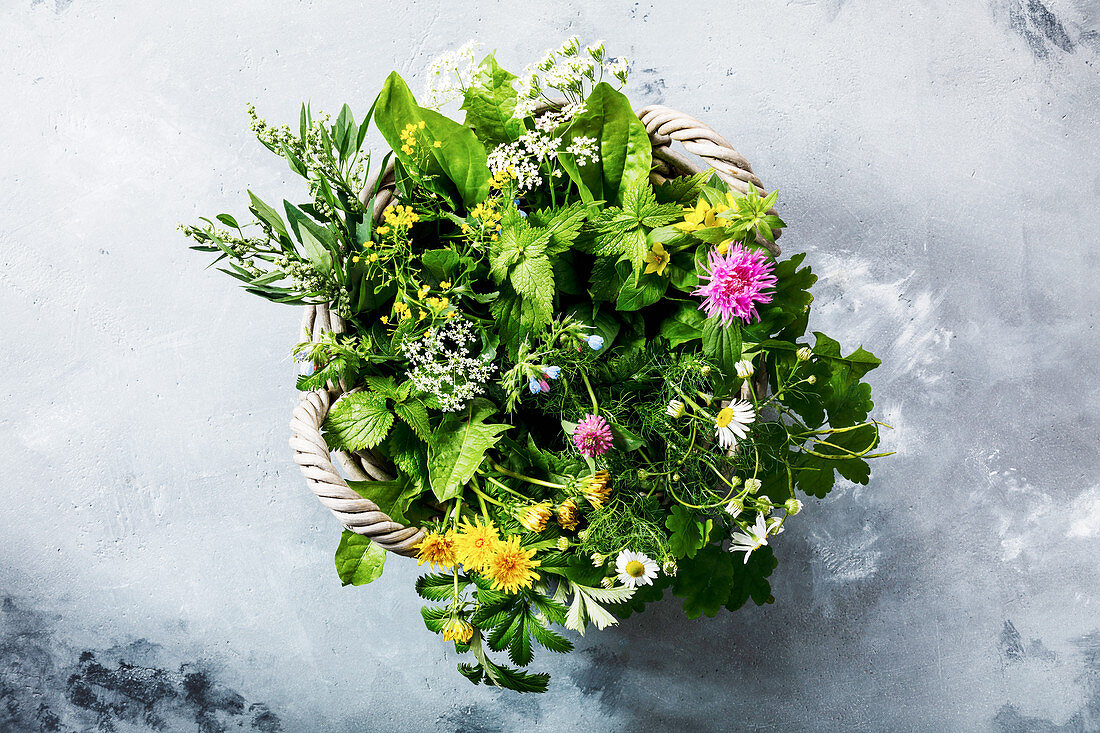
x,y
438,586
434,617
358,421
415,414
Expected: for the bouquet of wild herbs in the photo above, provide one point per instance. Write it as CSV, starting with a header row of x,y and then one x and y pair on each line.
x,y
589,388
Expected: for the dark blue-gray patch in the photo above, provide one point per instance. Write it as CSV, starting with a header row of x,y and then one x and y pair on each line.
x,y
46,685
1039,27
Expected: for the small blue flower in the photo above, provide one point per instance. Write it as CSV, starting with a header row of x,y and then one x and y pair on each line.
x,y
533,385
553,371
595,342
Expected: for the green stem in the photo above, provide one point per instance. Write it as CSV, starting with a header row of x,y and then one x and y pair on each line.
x,y
500,485
591,394
484,498
538,482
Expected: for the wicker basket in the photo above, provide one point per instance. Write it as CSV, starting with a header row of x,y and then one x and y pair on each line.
x,y
311,453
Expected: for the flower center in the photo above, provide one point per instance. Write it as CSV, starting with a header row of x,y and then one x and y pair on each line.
x,y
635,569
479,542
734,284
725,417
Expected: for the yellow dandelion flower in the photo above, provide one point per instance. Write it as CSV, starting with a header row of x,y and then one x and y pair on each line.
x,y
511,567
569,514
457,629
437,549
597,488
535,516
657,259
476,543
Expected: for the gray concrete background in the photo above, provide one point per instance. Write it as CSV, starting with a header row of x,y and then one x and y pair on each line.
x,y
162,565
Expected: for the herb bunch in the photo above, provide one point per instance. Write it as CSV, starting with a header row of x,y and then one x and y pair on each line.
x,y
591,389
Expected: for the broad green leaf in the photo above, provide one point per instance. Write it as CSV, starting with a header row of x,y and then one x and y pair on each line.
x,y
268,216
358,421
490,106
686,324
358,560
722,344
648,291
625,150
458,447
704,581
392,497
750,580
460,156
440,263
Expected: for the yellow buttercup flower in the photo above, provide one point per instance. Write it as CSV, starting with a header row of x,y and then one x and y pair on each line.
x,y
535,517
457,629
702,216
475,544
437,549
511,567
657,259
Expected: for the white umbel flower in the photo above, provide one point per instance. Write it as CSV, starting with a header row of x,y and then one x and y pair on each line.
x,y
751,539
675,409
732,423
635,569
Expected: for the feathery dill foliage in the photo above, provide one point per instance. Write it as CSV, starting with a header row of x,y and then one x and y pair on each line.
x,y
584,379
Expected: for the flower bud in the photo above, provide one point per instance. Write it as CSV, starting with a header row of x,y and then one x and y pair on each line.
x,y
569,515
595,342
793,506
735,507
607,582
804,354
675,409
744,369
669,567
812,379
535,517
753,485
598,560
563,543
457,629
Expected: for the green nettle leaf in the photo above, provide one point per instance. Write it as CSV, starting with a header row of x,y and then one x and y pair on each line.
x,y
415,414
489,106
623,231
705,581
519,255
461,157
684,190
562,225
625,150
358,560
358,421
458,447
688,534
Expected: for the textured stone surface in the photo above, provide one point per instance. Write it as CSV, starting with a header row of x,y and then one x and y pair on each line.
x,y
162,566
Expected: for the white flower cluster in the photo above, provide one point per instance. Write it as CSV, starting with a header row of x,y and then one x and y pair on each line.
x,y
566,70
525,157
441,365
448,76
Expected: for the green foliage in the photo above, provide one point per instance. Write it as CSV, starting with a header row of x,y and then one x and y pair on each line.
x,y
460,158
489,314
625,150
358,560
458,448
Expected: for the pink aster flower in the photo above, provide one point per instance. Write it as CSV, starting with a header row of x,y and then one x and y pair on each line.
x,y
592,436
737,281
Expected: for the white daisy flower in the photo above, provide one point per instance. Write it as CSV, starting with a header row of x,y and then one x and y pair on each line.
x,y
735,507
752,485
751,539
775,526
732,423
744,369
635,569
675,409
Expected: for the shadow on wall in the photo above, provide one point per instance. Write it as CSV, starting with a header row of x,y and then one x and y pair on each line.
x,y
45,685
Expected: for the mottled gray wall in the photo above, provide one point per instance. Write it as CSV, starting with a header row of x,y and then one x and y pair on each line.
x,y
163,566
